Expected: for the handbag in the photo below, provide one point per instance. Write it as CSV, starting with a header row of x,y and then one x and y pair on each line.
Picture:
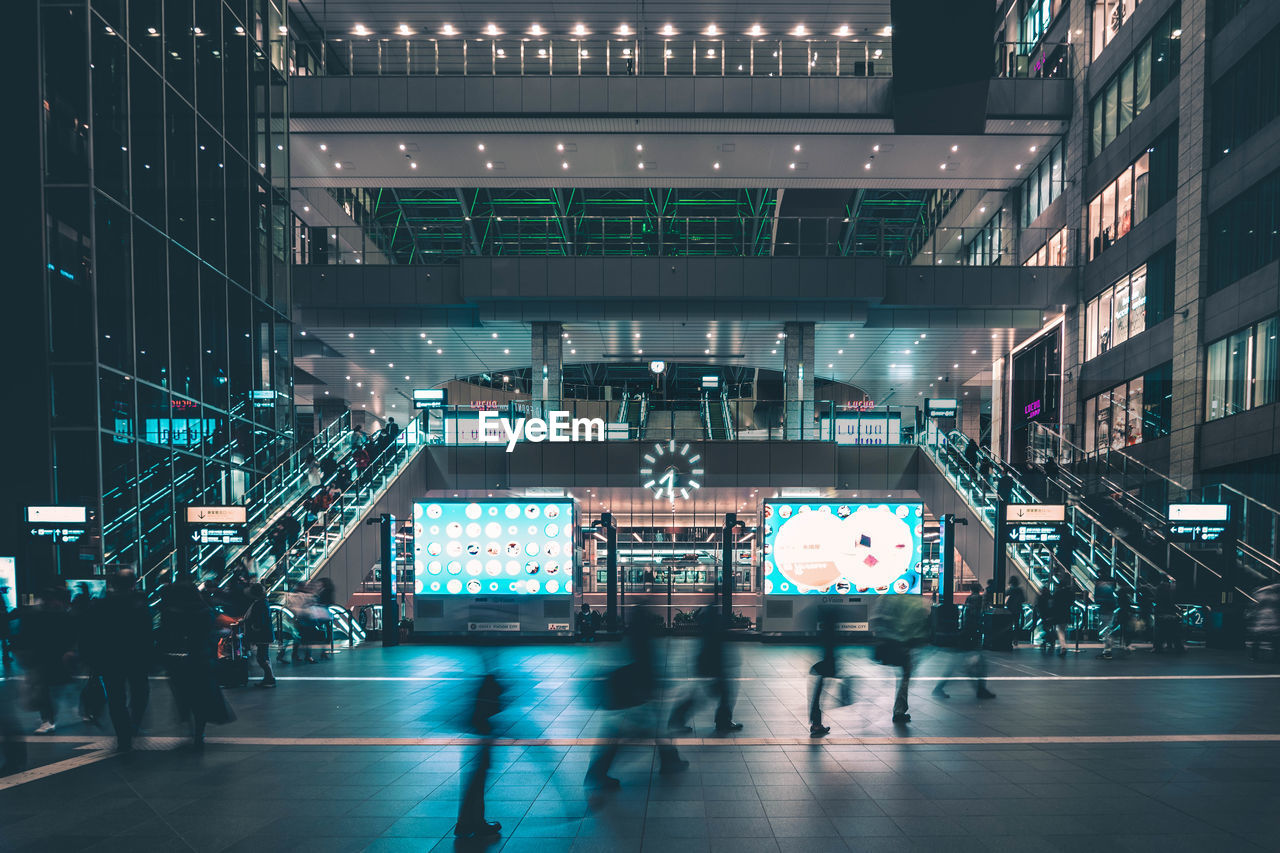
x,y
889,653
622,689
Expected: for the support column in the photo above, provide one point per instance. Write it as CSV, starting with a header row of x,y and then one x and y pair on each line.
x,y
797,380
1192,254
548,367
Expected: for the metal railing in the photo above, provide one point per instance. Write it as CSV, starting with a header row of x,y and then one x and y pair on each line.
x,y
1120,477
599,56
437,239
321,540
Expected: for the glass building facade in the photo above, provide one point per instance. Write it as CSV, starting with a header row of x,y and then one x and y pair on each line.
x,y
165,182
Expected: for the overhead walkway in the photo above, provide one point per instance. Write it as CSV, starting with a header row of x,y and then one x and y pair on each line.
x,y
1119,487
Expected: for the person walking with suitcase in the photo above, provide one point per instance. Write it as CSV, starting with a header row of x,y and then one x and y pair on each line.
x,y
258,633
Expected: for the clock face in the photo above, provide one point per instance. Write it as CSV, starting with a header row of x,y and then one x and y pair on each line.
x,y
670,471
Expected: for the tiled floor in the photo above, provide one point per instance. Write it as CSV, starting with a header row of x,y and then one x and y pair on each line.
x,y
1073,754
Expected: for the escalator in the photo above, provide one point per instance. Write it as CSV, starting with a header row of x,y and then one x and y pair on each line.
x,y
346,631
266,502
715,417
1091,546
634,413
1133,496
324,536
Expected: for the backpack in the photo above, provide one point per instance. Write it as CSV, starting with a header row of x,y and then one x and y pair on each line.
x,y
1105,597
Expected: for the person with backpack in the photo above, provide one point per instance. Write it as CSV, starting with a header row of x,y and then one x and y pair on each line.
x,y
1015,596
1107,601
1061,598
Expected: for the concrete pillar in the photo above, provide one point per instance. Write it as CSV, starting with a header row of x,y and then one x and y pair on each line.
x,y
1192,247
970,422
548,366
797,381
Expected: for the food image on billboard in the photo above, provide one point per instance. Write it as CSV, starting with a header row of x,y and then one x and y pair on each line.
x,y
840,548
493,547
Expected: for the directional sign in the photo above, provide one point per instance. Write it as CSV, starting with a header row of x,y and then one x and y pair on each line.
x,y
60,515
430,398
229,535
1198,523
941,408
1034,513
217,515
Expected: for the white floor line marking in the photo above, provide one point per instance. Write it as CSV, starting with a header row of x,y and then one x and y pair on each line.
x,y
754,741
37,773
857,676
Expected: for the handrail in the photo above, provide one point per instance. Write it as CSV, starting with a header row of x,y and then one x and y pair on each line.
x,y
705,410
351,499
730,432
1155,517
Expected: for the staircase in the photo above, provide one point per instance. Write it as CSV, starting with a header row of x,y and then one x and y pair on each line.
x,y
715,417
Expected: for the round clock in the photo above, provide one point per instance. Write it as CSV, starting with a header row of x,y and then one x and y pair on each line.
x,y
669,471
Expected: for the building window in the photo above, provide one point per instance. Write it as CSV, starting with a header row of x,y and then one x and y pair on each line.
x,y
1247,97
1244,234
1145,185
1224,11
1130,90
1130,306
1044,184
1054,253
1241,370
1035,23
986,249
1132,412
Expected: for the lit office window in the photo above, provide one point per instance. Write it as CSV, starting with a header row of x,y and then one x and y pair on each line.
x,y
1044,184
1108,17
1054,253
1142,187
1035,22
1241,370
1132,412
1130,90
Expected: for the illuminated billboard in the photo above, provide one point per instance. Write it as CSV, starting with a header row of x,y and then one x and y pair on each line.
x,y
842,548
493,547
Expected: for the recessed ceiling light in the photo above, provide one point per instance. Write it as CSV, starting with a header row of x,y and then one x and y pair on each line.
x,y
973,352
624,30
774,351
422,334
843,31
875,147
839,352
851,334
712,30
506,352
492,30
372,351
413,165
800,31
439,352
324,147
337,165
982,209
955,366
955,148
797,146
1033,149
535,30
480,147
640,165
401,146
639,146
559,146
756,30
866,165
306,208
942,166
1017,166
791,165
448,30
405,31
351,334
362,30
489,164
668,30
580,29
715,165
564,165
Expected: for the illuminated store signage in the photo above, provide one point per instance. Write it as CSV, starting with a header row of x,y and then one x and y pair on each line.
x,y
832,548
865,429
943,408
494,547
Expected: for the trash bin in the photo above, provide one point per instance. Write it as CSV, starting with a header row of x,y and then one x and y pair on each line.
x,y
997,629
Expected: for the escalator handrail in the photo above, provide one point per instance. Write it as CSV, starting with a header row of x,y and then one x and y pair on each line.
x,y
276,576
729,431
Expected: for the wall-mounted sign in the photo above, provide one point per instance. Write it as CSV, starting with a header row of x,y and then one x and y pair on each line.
x,y
262,399
942,408
1198,522
65,515
217,515
711,382
1032,409
1035,522
430,398
865,429
218,525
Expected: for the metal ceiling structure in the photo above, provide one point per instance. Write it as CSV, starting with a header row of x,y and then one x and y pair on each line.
x,y
427,225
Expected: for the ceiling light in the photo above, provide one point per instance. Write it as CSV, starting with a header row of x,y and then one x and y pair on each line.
x,y
373,351
1018,166
887,31
800,31
401,146
624,30
359,384
430,341
843,31
639,147
448,30
797,146
1033,149
559,146
580,29
492,30
361,30
324,147
668,30
715,165
439,352
422,334
875,147
955,148
639,165
866,165
791,165
774,351
283,30
955,366
839,352
564,165
337,165
405,31
413,165
351,334
489,164
480,147
973,352
942,166
851,334
506,352
756,30
993,336
982,209
573,352
712,30
306,208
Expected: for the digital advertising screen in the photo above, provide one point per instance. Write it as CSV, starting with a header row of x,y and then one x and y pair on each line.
x,y
842,548
493,547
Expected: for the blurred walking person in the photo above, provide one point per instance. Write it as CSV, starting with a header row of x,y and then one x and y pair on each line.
x,y
631,690
825,668
1061,597
1109,616
713,664
120,646
44,644
899,623
1262,621
189,640
969,659
259,633
471,820
1015,596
